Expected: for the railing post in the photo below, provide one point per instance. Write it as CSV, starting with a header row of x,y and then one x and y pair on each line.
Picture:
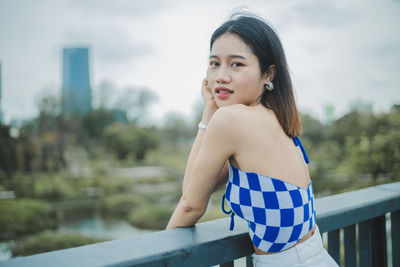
x,y
350,256
378,241
249,261
227,264
395,229
364,243
334,244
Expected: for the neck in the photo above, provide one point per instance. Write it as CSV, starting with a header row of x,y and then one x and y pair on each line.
x,y
256,102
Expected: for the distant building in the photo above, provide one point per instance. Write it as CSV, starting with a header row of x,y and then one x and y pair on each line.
x,y
1,113
329,113
76,91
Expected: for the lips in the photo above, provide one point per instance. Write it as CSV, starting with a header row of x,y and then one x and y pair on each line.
x,y
223,92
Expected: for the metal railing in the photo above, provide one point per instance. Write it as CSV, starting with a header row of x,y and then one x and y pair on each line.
x,y
360,215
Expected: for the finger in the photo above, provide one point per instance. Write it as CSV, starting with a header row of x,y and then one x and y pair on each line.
x,y
204,83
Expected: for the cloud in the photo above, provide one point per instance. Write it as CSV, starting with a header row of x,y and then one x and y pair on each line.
x,y
111,45
122,7
325,13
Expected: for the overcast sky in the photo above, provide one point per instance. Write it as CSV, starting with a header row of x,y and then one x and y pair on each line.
x,y
337,51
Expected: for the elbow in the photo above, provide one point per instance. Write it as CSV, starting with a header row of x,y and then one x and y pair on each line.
x,y
192,207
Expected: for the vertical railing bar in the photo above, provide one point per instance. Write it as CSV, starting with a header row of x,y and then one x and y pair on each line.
x,y
395,229
334,244
350,257
378,241
364,243
249,261
357,244
227,264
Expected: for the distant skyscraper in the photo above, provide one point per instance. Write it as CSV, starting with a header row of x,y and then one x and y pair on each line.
x,y
329,112
1,113
76,93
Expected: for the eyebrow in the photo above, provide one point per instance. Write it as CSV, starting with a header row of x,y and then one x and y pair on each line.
x,y
230,56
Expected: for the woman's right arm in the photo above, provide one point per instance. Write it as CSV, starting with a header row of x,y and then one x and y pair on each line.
x,y
209,109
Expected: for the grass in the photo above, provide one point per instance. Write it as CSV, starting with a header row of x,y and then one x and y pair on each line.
x,y
152,216
49,241
122,204
169,156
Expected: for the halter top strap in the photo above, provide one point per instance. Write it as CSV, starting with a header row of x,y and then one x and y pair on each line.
x,y
297,142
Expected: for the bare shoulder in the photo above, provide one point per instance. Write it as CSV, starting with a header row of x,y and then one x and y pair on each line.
x,y
242,115
227,118
238,125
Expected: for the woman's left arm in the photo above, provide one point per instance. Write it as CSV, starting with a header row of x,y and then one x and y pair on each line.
x,y
217,146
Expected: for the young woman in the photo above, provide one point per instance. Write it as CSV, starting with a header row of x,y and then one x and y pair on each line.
x,y
247,135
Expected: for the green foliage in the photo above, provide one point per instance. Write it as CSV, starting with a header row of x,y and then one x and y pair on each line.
x,y
96,121
49,241
152,216
48,186
8,161
115,185
122,204
155,180
353,149
170,156
128,139
351,124
213,213
387,152
176,129
28,154
376,147
313,130
25,216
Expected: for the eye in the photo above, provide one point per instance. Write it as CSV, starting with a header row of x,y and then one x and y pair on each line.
x,y
214,63
237,64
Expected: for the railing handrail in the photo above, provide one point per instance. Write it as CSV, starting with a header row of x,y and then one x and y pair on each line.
x,y
341,210
212,243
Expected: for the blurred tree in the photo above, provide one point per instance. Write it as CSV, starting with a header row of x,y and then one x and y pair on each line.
x,y
352,124
386,153
313,130
176,129
28,154
136,101
96,121
51,135
128,139
8,161
104,94
376,147
25,216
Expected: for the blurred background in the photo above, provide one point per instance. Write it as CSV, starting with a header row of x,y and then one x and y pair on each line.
x,y
100,100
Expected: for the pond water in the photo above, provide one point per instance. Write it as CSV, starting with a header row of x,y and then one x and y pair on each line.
x,y
97,226
93,226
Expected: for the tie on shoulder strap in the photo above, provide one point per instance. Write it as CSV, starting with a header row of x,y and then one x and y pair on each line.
x,y
297,142
232,225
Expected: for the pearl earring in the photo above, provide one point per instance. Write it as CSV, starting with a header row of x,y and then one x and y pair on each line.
x,y
269,86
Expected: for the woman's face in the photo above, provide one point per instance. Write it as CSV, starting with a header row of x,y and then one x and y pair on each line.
x,y
233,73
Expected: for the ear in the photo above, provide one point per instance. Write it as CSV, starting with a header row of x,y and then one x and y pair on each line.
x,y
269,75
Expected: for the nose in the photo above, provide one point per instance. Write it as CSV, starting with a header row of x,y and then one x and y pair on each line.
x,y
223,75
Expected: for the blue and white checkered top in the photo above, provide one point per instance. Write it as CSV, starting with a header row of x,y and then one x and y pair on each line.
x,y
278,213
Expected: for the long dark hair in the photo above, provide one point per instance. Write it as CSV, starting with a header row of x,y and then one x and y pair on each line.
x,y
266,46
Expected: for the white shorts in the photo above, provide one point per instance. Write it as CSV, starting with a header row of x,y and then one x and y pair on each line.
x,y
308,253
